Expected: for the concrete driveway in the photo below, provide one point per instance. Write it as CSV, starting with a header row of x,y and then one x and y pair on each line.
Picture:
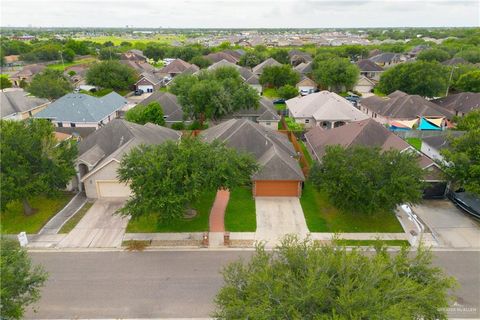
x,y
451,226
277,217
99,228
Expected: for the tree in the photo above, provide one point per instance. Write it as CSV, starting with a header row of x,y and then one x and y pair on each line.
x,y
166,179
33,162
433,54
201,62
251,59
21,281
140,114
108,44
367,180
462,160
5,82
50,84
111,75
108,53
287,92
79,47
307,280
281,55
336,74
68,55
278,76
427,79
469,122
469,82
155,51
471,55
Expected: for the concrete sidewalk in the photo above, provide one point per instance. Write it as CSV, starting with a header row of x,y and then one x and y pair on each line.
x,y
54,225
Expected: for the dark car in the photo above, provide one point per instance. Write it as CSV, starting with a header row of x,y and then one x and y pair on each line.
x,y
138,92
278,101
466,201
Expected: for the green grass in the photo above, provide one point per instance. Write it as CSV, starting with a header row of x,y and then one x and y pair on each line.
x,y
322,216
148,224
167,39
73,221
61,67
292,125
14,221
378,93
415,142
308,157
270,93
280,106
388,243
240,214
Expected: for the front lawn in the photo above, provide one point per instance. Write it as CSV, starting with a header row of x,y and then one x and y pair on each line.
x,y
322,216
148,224
240,214
415,142
280,106
14,221
270,93
62,66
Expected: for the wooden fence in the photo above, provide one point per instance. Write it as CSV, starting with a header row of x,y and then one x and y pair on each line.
x,y
293,139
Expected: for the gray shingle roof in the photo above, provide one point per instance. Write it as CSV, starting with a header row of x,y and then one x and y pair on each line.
x,y
441,141
78,107
264,112
273,150
461,102
12,102
367,65
170,105
385,57
258,69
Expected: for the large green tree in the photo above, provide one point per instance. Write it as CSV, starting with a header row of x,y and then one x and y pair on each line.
x,y
251,59
279,76
433,54
111,75
33,161
166,179
462,161
141,114
5,82
469,122
306,280
367,180
287,92
336,74
50,84
469,82
427,79
21,281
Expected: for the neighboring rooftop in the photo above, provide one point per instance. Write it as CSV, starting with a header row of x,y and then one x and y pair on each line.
x,y
442,141
172,109
264,112
463,102
17,101
79,107
367,65
178,66
385,57
258,69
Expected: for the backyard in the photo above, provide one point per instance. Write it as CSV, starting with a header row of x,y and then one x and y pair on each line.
x,y
13,220
322,216
148,224
61,66
240,214
415,142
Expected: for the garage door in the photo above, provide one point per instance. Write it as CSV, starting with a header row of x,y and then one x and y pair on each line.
x,y
277,188
112,189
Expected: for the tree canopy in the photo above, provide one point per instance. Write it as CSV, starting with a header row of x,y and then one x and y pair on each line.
x,y
141,114
306,280
201,62
433,54
469,82
166,179
21,281
213,93
5,82
279,76
368,180
111,75
33,161
427,79
251,59
287,92
336,74
469,122
50,84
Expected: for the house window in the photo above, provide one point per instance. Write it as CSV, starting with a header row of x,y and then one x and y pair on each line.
x,y
307,120
268,123
72,125
59,124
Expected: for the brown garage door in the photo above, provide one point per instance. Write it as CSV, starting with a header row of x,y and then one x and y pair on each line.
x,y
277,188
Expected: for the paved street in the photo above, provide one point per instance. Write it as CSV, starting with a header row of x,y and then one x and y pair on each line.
x,y
450,225
177,284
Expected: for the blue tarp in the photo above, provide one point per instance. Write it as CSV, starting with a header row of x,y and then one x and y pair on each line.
x,y
425,125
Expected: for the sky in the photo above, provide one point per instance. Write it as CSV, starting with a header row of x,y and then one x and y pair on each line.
x,y
240,14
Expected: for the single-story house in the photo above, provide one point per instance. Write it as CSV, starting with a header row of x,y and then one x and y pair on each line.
x,y
372,134
364,85
432,146
304,68
99,156
26,74
258,69
16,104
297,57
219,56
369,69
306,84
265,114
172,109
82,110
76,74
388,59
254,82
416,50
460,103
399,107
237,54
134,55
148,82
279,174
139,66
244,72
325,109
178,66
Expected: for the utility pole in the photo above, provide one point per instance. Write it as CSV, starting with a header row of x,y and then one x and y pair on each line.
x,y
61,57
450,79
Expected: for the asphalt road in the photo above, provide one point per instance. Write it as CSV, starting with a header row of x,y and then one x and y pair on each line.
x,y
178,284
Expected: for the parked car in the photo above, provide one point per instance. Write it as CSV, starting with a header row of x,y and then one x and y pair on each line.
x,y
466,201
305,92
278,101
138,92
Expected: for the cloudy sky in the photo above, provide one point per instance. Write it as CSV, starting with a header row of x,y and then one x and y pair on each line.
x,y
240,14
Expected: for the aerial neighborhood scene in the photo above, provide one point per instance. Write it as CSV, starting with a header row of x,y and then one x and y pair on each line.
x,y
240,159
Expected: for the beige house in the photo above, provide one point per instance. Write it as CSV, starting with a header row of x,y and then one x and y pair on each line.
x,y
101,152
16,104
364,85
306,84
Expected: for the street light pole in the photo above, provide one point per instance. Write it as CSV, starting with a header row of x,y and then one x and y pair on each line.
x,y
450,79
61,57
